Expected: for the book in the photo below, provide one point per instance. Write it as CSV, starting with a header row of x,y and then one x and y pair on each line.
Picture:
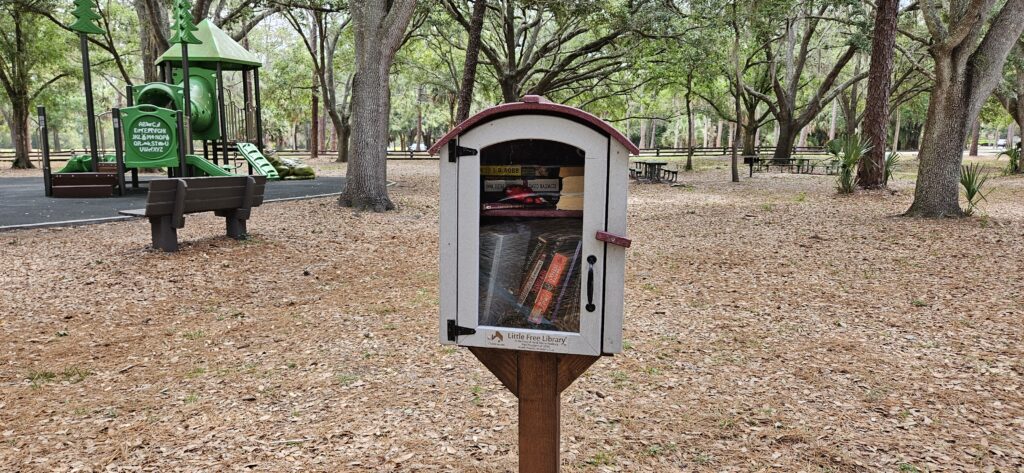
x,y
535,266
550,285
537,185
570,278
572,185
570,203
519,170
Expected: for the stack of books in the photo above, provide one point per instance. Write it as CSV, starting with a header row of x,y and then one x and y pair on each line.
x,y
510,187
550,289
530,274
519,187
570,195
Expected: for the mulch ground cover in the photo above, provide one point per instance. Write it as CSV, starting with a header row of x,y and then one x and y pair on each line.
x,y
771,325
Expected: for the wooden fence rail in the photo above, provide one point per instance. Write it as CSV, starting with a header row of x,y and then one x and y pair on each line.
x,y
7,155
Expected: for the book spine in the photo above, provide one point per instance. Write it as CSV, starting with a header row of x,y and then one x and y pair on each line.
x,y
536,263
545,294
568,279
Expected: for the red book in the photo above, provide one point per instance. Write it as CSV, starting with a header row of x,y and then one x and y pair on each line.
x,y
551,282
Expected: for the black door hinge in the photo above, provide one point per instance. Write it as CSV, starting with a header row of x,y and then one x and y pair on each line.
x,y
455,151
455,331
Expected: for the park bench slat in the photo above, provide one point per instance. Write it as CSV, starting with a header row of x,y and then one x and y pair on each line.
x,y
169,200
196,196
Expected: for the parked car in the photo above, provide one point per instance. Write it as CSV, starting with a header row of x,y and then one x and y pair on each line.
x,y
1001,142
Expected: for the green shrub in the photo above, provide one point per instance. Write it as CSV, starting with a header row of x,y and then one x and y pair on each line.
x,y
848,150
973,181
891,161
1013,154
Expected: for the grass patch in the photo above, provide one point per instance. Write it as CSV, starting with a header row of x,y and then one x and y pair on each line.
x,y
601,459
619,377
74,374
703,459
39,378
194,335
658,449
346,379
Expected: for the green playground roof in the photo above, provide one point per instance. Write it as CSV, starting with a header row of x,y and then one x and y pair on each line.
x,y
217,47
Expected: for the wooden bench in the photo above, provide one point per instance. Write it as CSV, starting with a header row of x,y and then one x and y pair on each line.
x,y
670,175
169,200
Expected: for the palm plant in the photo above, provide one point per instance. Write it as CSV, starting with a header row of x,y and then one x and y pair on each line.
x,y
973,181
891,161
1013,154
848,150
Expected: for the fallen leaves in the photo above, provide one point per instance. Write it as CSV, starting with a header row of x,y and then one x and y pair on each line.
x,y
812,333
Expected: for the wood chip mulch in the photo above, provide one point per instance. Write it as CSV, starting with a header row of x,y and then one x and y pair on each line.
x,y
770,326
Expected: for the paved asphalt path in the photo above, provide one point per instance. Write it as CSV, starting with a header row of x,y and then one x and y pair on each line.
x,y
22,202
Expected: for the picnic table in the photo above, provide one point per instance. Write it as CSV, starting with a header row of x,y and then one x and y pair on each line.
x,y
651,170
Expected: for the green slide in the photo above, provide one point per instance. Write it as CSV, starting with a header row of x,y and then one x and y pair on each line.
x,y
206,167
259,163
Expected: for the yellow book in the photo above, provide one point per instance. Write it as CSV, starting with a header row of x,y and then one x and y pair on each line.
x,y
567,171
570,202
572,184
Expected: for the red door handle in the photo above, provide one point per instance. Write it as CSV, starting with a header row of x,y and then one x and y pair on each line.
x,y
614,239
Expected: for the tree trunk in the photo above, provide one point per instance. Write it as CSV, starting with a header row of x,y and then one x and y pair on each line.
x,y
896,132
1010,136
643,130
832,122
20,132
690,132
366,188
784,145
967,71
314,125
476,25
153,33
938,179
975,137
344,141
379,28
871,169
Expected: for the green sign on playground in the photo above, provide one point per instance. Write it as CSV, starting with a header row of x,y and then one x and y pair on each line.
x,y
151,137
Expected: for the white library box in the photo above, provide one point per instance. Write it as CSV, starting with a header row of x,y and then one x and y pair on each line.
x,y
533,223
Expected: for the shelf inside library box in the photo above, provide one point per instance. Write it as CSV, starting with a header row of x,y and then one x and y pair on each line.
x,y
532,213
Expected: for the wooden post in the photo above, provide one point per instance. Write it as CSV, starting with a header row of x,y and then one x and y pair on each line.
x,y
44,138
539,413
115,118
90,113
186,98
259,108
221,118
538,380
246,98
181,146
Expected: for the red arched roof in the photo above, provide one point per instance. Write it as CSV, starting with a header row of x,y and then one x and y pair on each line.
x,y
534,104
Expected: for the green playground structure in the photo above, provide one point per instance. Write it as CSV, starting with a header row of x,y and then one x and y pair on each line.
x,y
164,120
